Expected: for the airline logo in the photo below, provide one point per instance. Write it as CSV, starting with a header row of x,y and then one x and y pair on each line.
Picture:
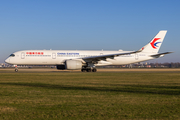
x,y
154,43
34,53
67,53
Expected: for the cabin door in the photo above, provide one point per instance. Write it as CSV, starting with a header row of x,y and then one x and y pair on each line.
x,y
136,56
22,55
53,55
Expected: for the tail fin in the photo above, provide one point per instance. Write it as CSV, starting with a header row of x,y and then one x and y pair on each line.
x,y
155,44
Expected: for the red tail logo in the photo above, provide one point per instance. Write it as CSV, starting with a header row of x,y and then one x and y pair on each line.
x,y
153,44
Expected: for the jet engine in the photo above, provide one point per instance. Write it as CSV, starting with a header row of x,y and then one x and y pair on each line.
x,y
73,64
70,65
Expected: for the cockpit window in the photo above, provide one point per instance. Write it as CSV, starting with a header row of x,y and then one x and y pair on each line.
x,y
12,55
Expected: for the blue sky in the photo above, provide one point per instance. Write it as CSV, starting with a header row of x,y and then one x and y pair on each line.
x,y
88,25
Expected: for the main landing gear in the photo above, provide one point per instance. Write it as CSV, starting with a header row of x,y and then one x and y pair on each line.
x,y
88,70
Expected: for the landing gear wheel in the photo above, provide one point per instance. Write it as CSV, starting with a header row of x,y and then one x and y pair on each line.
x,y
94,70
16,70
83,70
88,70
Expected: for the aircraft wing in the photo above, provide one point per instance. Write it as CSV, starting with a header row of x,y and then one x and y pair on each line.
x,y
161,54
103,57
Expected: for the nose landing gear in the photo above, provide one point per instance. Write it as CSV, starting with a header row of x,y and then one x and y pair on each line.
x,y
16,68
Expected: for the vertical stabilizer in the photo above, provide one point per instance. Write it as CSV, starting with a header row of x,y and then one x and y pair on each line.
x,y
155,44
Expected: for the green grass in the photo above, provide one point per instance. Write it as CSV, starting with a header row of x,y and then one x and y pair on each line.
x,y
75,95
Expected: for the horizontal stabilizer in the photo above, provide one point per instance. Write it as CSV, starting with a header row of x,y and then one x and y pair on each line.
x,y
160,54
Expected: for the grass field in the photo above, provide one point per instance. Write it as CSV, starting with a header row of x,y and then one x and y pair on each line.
x,y
102,95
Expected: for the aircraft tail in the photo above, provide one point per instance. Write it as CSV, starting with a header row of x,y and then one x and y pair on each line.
x,y
155,44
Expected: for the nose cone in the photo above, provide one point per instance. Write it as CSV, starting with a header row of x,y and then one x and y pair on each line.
x,y
7,60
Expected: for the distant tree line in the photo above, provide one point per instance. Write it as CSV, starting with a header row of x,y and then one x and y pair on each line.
x,y
169,65
146,65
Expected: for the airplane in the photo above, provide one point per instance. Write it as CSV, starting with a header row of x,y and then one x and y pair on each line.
x,y
87,61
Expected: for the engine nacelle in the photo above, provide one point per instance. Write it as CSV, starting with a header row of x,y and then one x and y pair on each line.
x,y
73,64
70,65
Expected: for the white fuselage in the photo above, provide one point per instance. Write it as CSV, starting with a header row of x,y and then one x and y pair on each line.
x,y
88,60
58,57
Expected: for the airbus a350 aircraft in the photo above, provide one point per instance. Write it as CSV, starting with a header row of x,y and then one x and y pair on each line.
x,y
87,60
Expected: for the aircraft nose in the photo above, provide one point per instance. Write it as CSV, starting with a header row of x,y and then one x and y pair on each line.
x,y
7,60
